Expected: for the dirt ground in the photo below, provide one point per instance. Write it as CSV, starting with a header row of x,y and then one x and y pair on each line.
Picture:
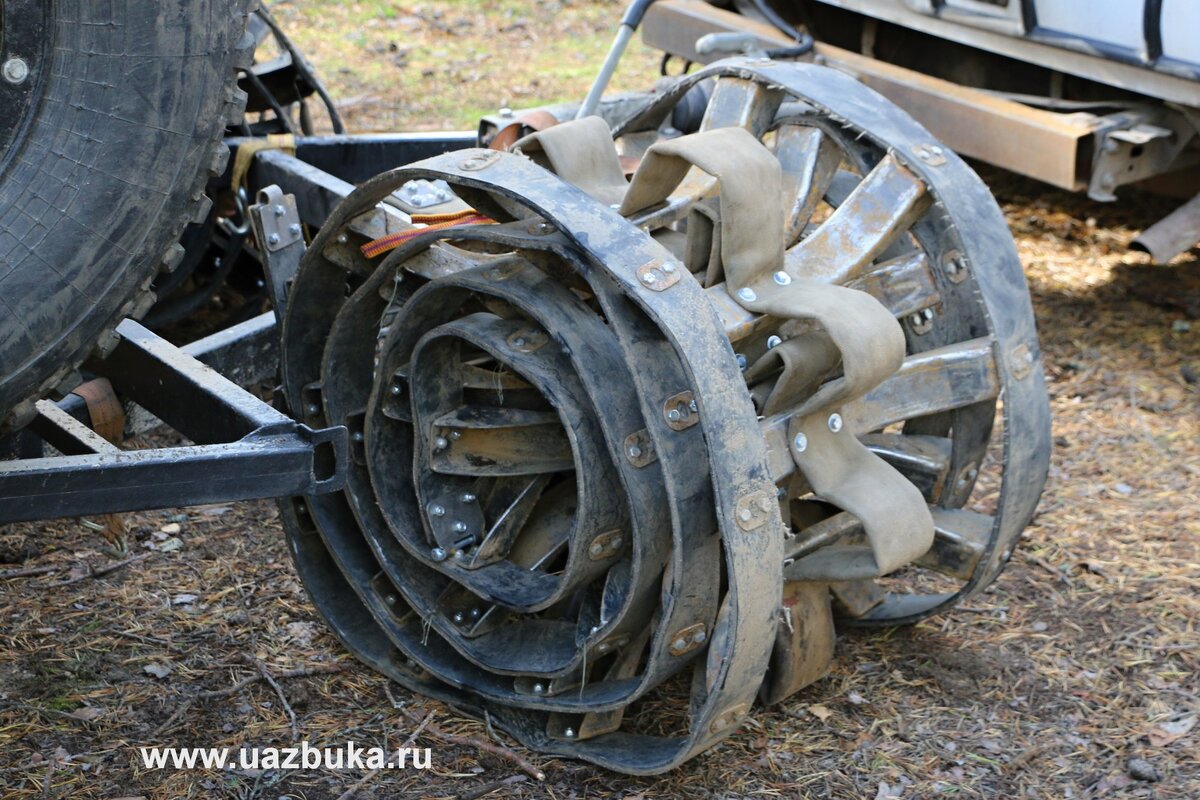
x,y
1076,676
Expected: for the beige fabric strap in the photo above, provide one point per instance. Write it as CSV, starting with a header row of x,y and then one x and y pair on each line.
x,y
247,150
838,466
751,184
580,152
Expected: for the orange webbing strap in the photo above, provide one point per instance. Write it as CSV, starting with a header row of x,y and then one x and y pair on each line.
x,y
432,222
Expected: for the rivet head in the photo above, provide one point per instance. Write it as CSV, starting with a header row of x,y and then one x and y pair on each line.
x,y
16,70
294,229
440,443
395,391
390,599
773,342
539,688
358,437
782,278
459,617
437,511
455,435
634,451
668,268
468,498
342,238
279,210
747,294
596,548
745,515
800,442
476,613
835,422
273,238
674,415
460,527
742,362
679,644
437,554
569,733
649,279
700,636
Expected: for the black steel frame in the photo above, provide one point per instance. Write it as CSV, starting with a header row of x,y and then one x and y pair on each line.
x,y
241,447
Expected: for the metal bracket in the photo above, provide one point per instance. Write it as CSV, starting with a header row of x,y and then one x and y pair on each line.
x,y
277,228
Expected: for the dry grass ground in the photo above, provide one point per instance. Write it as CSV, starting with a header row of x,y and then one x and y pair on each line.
x,y
1085,654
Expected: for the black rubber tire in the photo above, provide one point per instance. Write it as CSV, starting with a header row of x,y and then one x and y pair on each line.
x,y
133,99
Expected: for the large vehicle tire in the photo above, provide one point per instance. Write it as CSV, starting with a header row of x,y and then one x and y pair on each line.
x,y
113,120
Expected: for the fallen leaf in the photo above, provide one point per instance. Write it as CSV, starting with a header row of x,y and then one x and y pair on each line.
x,y
1168,732
171,528
174,543
157,670
87,713
820,712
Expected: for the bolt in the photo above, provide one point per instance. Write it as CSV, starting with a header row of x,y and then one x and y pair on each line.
x,y
937,150
928,314
342,238
634,451
460,527
679,644
273,238
747,294
459,617
443,195
924,154
916,320
518,342
800,442
410,188
294,229
279,210
506,112
396,391
649,279
835,422
742,362
358,437
313,409
459,555
616,543
782,278
773,342
437,554
437,511
468,498
569,733
539,688
603,647
476,613
16,70
700,636
440,443
668,268
673,415
390,599
595,629
596,549
745,515
456,435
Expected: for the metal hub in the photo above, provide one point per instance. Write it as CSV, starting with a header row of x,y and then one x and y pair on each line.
x,y
664,427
